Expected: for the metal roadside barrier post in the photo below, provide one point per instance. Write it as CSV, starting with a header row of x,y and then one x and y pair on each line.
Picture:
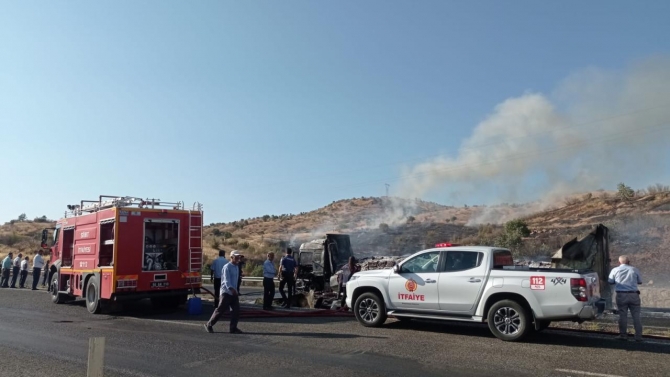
x,y
96,357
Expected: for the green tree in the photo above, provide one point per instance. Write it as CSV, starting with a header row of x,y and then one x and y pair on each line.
x,y
22,217
513,233
625,192
216,232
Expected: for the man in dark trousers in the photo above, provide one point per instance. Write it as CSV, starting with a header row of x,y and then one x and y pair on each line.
x,y
6,269
269,273
288,269
626,278
230,298
16,267
38,264
217,267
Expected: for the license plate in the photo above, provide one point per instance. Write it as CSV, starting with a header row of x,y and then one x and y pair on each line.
x,y
160,284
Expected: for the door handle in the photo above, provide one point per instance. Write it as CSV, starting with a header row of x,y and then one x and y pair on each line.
x,y
474,280
430,281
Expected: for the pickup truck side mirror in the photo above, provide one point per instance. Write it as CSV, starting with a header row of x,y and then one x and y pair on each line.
x,y
45,234
396,269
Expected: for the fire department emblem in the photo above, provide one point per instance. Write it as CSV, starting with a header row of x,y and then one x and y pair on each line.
x,y
411,285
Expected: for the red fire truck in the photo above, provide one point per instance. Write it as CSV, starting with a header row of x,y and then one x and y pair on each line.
x,y
116,249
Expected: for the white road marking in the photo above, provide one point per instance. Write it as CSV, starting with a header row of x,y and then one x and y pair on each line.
x,y
586,373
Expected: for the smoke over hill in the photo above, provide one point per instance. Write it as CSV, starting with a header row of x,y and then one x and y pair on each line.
x,y
596,129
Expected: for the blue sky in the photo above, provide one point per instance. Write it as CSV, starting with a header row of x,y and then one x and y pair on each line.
x,y
270,107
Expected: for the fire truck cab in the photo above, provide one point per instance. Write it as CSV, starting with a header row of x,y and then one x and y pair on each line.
x,y
116,249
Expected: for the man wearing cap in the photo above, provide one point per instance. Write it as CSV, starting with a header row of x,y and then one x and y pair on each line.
x,y
229,295
626,279
217,268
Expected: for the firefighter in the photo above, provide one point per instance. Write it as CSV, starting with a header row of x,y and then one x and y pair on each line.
x,y
216,268
230,298
288,270
16,267
6,267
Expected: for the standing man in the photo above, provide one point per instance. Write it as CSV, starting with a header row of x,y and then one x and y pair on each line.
x,y
6,267
626,278
16,267
24,273
269,273
229,296
217,267
287,267
38,263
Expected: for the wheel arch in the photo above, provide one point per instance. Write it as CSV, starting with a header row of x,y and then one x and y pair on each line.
x,y
366,289
491,300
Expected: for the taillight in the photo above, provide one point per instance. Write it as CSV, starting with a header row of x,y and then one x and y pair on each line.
x,y
578,289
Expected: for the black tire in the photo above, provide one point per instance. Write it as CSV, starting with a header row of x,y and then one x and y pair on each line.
x,y
92,295
56,298
370,310
543,325
508,320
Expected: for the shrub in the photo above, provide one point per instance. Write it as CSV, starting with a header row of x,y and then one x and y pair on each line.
x,y
625,192
410,219
453,218
232,241
22,217
384,227
513,233
658,189
215,244
243,245
216,232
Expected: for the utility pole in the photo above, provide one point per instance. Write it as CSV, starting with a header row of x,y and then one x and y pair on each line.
x,y
387,189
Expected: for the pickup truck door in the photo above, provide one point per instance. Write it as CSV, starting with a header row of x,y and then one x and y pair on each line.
x,y
460,283
414,287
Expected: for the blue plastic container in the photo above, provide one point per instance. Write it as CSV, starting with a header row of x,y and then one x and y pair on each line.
x,y
194,306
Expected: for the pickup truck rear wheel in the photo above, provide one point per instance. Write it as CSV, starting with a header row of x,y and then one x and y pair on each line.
x,y
508,320
370,310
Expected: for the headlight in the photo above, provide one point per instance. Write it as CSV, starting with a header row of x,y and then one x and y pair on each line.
x,y
354,278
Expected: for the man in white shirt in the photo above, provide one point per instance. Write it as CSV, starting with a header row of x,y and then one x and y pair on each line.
x,y
24,273
16,266
38,263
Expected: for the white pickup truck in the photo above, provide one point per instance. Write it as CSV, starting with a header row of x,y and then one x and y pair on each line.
x,y
474,284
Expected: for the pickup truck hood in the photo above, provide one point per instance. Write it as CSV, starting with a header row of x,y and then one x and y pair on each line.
x,y
374,273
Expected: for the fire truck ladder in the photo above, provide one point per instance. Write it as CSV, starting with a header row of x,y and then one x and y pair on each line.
x,y
195,238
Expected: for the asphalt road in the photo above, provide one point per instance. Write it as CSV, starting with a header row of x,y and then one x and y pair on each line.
x,y
38,338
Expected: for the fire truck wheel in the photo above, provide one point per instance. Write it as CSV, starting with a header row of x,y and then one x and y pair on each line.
x,y
56,297
92,296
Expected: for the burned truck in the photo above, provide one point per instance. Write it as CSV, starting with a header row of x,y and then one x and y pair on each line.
x,y
320,259
591,252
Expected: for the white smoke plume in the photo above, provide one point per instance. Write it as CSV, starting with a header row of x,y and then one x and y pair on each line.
x,y
598,128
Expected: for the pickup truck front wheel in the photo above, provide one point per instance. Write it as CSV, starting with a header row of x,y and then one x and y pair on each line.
x,y
370,310
508,320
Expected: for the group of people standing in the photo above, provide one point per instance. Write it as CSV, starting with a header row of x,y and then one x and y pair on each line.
x,y
227,279
18,269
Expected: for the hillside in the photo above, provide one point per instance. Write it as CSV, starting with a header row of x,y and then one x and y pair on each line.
x,y
390,226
